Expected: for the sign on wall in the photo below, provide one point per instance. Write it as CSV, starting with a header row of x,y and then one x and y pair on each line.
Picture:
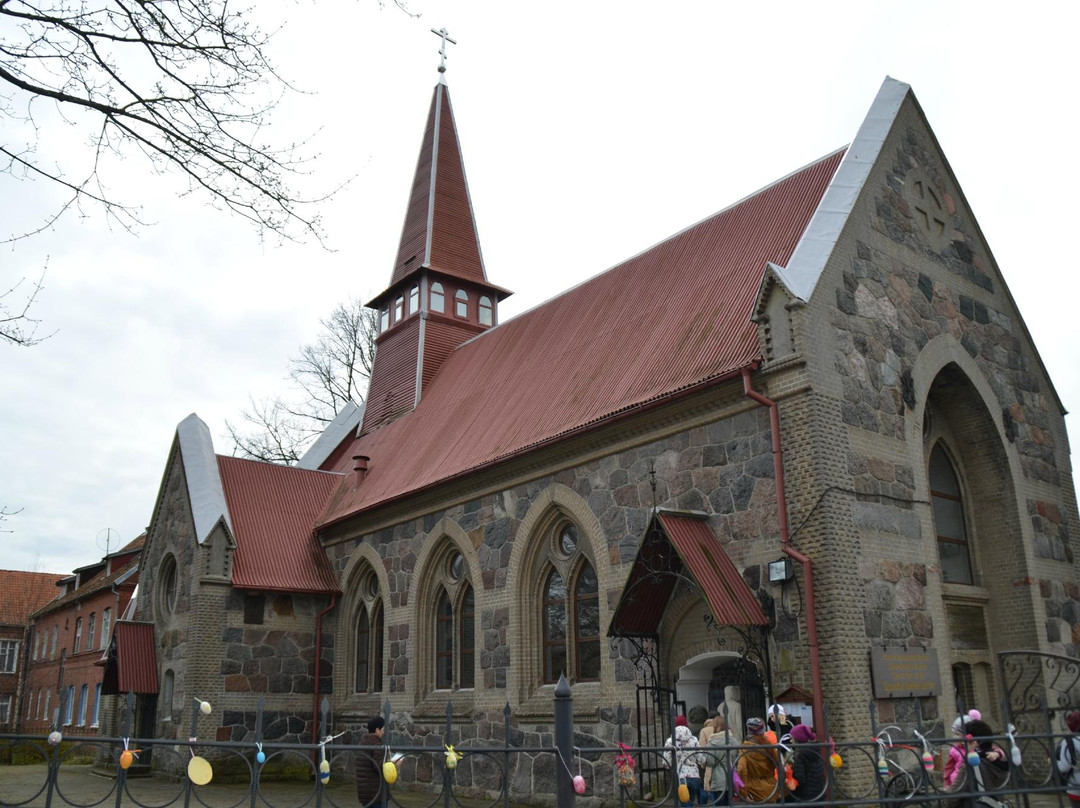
x,y
903,672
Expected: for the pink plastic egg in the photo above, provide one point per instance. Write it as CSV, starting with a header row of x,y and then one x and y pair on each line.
x,y
579,785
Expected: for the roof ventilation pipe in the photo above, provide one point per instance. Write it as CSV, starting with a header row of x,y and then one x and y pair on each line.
x,y
360,466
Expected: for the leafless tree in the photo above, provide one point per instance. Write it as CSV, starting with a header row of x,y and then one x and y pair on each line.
x,y
17,326
324,377
184,83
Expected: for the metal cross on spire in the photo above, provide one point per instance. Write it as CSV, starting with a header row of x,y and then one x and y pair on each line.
x,y
441,32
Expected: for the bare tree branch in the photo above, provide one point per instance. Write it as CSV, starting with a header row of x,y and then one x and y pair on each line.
x,y
324,376
184,82
5,512
17,327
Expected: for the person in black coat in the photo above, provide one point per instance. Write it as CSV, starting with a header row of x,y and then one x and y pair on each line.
x,y
808,768
369,764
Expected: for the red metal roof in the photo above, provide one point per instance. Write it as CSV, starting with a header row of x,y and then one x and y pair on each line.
x,y
439,230
272,509
24,594
657,571
731,601
673,316
131,661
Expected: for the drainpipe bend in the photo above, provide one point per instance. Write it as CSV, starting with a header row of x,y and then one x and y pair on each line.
x,y
785,543
318,667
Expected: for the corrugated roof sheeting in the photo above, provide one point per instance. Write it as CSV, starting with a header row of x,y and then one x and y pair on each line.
x,y
273,508
131,661
673,316
731,601
393,382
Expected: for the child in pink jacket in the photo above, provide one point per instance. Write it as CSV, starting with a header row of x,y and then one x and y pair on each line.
x,y
954,766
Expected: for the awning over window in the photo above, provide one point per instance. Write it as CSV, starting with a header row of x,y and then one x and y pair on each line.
x,y
131,661
677,547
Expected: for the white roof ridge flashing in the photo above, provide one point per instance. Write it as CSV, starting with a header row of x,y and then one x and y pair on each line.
x,y
346,421
819,239
205,491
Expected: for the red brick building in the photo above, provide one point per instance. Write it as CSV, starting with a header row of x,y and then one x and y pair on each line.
x,y
67,638
24,593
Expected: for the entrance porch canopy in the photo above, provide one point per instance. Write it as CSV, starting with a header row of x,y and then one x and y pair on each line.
x,y
131,660
679,545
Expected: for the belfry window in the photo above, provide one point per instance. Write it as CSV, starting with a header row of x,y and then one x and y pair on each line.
x,y
461,303
399,309
485,311
952,538
384,318
438,298
414,300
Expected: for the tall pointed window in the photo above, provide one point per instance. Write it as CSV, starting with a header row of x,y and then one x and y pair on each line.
x,y
569,608
444,642
952,538
461,303
414,300
554,623
91,624
78,636
450,636
438,298
368,637
485,311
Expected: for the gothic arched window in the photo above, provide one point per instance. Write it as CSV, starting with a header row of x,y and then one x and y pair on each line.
x,y
485,311
438,298
461,303
952,538
368,637
453,639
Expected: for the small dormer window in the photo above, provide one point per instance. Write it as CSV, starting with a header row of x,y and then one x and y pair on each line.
x,y
461,303
384,318
485,311
399,309
414,300
438,298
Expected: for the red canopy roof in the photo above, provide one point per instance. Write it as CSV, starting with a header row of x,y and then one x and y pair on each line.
x,y
673,316
131,661
272,509
657,571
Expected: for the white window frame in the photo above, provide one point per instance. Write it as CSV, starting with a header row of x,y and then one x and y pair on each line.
x,y
9,656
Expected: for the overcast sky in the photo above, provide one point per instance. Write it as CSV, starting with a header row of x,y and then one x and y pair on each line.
x,y
590,131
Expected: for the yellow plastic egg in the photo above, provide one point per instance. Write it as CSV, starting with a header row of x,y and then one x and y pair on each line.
x,y
389,772
684,793
126,759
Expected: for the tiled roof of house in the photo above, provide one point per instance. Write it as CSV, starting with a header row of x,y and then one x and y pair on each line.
x,y
120,573
272,509
673,316
24,594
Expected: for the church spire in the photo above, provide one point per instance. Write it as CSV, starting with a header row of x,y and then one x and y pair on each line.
x,y
439,295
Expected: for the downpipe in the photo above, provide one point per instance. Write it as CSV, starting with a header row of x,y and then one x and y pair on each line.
x,y
318,672
786,546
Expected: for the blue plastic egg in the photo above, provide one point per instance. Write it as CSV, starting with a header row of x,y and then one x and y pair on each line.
x,y
260,758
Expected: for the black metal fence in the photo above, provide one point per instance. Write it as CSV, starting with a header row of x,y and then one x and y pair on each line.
x,y
897,765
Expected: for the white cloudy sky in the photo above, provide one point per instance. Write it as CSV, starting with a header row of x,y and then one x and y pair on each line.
x,y
590,130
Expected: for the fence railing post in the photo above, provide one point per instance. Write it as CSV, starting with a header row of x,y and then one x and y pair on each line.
x,y
448,740
384,791
564,743
256,767
506,756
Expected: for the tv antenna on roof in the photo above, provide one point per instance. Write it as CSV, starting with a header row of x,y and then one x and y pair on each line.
x,y
105,540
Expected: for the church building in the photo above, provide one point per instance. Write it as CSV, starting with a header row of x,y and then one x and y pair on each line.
x,y
802,451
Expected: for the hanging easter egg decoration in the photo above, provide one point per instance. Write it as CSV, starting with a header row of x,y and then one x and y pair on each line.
x,y
55,738
883,767
205,708
973,758
684,793
389,772
127,757
324,772
579,784
452,757
260,756
199,771
927,761
835,760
